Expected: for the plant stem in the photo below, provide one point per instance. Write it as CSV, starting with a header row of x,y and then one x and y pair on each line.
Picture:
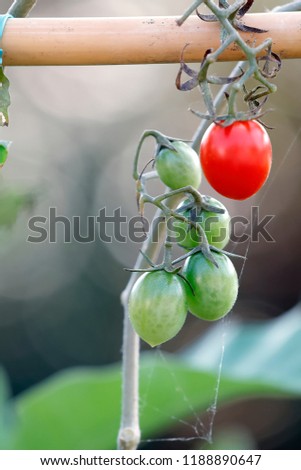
x,y
129,433
293,6
188,12
21,8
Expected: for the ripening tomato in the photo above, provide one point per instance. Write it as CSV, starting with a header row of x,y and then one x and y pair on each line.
x,y
158,306
214,288
236,159
180,167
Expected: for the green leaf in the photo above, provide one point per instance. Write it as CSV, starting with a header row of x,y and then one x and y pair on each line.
x,y
4,145
80,409
4,98
263,351
13,202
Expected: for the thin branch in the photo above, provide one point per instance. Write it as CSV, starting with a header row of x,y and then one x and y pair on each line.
x,y
129,433
293,6
189,11
21,8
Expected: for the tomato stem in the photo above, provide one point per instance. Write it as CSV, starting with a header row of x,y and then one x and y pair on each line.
x,y
189,11
229,18
161,141
129,434
21,8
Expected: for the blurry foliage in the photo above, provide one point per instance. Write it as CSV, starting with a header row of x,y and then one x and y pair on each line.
x,y
232,438
80,408
12,202
74,135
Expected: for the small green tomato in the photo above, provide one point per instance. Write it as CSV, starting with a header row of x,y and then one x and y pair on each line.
x,y
180,167
158,306
215,288
217,227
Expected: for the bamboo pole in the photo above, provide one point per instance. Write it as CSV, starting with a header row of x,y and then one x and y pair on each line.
x,y
136,40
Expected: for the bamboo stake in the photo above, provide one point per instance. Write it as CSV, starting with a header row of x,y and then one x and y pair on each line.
x,y
136,40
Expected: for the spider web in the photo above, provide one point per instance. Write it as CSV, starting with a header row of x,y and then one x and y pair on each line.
x,y
199,425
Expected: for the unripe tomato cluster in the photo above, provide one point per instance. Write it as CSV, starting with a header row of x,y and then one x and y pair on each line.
x,y
159,301
236,160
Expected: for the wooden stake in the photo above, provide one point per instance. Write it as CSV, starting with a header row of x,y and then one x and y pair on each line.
x,y
136,40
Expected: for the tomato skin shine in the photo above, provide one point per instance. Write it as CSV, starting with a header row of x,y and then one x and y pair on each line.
x,y
158,306
236,159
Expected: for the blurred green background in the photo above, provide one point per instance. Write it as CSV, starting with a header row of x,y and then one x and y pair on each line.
x,y
74,133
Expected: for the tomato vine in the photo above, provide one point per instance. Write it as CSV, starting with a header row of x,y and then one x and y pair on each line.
x,y
230,19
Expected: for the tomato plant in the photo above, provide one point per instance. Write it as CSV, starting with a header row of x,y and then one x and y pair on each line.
x,y
158,306
179,167
236,159
215,225
214,288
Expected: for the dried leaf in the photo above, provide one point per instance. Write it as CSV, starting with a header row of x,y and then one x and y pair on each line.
x,y
248,29
223,80
207,52
270,59
209,18
190,84
245,8
233,15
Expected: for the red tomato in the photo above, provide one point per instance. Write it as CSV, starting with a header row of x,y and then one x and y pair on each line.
x,y
236,159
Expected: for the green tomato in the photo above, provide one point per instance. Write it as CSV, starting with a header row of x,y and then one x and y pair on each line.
x,y
215,288
180,167
216,226
158,306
